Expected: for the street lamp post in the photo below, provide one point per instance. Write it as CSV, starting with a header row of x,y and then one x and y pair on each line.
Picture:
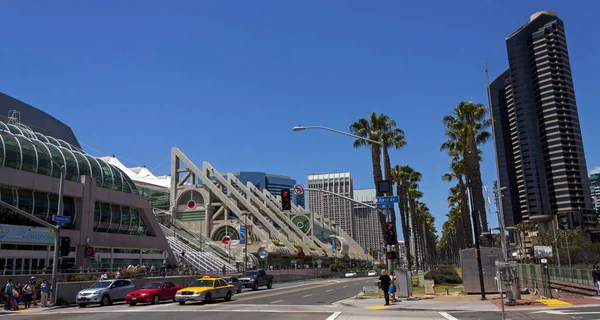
x,y
57,233
382,146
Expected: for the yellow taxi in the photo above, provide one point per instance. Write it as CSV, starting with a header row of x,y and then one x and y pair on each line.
x,y
205,289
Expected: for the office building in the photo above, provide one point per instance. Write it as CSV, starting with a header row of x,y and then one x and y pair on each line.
x,y
367,227
538,136
595,191
332,207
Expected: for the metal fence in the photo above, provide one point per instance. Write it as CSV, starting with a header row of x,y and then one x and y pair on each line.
x,y
579,276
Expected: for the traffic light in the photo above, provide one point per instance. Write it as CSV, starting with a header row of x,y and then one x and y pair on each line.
x,y
390,235
65,246
391,255
286,200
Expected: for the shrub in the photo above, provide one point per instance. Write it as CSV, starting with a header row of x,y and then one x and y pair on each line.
x,y
444,274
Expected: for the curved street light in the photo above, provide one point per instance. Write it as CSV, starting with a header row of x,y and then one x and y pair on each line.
x,y
386,211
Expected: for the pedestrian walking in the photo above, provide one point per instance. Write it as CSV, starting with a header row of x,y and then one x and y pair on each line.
x,y
385,282
44,293
8,289
596,278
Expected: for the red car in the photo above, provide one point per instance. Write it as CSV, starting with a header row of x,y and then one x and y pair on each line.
x,y
153,292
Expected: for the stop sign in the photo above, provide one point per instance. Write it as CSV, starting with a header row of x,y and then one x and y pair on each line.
x,y
226,240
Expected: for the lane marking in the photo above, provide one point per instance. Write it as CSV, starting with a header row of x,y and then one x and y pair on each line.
x,y
279,293
334,315
345,287
278,301
329,290
308,295
447,316
183,310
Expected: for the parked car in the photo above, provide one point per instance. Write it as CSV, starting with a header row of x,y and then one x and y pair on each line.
x,y
237,285
350,274
153,292
205,289
372,273
256,278
104,292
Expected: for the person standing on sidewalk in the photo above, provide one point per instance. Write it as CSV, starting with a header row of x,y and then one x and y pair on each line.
x,y
28,293
385,282
8,289
44,293
596,278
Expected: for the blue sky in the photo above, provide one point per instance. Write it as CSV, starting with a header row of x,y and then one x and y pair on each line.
x,y
226,81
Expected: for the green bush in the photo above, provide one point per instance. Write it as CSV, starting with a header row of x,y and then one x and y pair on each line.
x,y
444,274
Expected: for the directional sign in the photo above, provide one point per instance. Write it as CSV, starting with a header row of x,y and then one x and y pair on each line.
x,y
298,189
386,205
390,199
61,220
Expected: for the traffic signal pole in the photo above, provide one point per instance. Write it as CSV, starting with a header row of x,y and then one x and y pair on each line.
x,y
57,237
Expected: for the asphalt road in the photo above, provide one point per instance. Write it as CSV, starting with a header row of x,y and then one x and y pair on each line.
x,y
587,313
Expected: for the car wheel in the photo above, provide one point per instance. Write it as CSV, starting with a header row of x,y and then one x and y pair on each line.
x,y
270,285
155,299
228,296
82,305
255,286
181,303
207,298
132,304
105,300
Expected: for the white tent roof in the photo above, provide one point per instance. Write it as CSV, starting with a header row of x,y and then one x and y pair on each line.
x,y
140,175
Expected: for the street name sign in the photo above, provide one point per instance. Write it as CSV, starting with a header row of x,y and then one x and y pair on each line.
x,y
61,220
388,199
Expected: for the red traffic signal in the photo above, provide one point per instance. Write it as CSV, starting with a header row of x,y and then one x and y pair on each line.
x,y
285,193
389,226
391,255
226,239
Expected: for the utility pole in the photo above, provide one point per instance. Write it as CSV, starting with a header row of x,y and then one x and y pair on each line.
x,y
56,258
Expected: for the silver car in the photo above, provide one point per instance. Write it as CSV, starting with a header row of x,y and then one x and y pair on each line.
x,y
237,285
104,292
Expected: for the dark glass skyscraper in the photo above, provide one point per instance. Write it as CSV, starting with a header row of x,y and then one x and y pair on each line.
x,y
538,136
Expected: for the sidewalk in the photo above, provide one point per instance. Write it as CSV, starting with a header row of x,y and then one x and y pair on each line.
x,y
466,303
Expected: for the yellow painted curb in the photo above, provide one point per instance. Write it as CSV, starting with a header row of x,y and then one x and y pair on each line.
x,y
554,303
21,311
377,307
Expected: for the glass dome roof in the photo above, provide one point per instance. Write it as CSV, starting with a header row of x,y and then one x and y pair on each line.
x,y
22,148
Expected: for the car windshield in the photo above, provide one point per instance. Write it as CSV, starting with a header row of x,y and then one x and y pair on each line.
x,y
202,283
227,279
100,285
250,273
152,285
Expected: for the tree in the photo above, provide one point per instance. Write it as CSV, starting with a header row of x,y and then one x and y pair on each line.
x,y
404,176
466,129
379,127
522,228
458,197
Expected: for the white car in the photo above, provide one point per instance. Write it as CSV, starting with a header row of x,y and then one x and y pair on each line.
x,y
372,273
350,274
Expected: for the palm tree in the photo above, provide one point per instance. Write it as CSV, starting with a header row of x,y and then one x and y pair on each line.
x,y
401,175
522,228
379,127
466,129
460,192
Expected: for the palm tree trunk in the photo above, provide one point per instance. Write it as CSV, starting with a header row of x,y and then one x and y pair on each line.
x,y
406,230
473,173
464,212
